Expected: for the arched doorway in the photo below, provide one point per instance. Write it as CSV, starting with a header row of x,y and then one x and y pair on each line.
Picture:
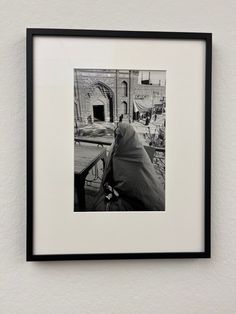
x,y
124,107
98,112
124,87
101,100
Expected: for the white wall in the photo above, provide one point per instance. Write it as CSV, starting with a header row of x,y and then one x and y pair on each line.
x,y
140,286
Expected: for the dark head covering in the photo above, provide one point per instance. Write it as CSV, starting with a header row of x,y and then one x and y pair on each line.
x,y
130,172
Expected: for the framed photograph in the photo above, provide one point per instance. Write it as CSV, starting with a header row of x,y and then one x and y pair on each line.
x,y
118,144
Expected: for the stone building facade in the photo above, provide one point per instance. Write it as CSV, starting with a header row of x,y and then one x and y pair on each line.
x,y
103,95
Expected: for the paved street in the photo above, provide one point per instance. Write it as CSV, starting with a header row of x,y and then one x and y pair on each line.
x,y
106,129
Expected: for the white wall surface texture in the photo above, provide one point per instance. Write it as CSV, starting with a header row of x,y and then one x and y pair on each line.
x,y
138,286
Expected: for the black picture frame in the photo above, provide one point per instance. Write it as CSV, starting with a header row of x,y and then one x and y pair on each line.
x,y
207,38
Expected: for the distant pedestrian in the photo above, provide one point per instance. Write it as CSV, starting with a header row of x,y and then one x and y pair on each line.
x,y
147,120
138,115
89,119
121,117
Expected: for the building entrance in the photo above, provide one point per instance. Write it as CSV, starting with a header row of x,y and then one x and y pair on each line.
x,y
98,113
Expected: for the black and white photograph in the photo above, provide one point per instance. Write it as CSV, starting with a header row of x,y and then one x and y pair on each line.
x,y
119,139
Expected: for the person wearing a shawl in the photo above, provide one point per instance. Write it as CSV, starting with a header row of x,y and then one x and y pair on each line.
x,y
129,181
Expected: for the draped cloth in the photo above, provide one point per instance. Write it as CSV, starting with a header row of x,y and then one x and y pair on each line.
x,y
130,172
142,105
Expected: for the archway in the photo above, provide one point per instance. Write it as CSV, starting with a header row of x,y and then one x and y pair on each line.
x,y
125,107
101,99
124,87
98,113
